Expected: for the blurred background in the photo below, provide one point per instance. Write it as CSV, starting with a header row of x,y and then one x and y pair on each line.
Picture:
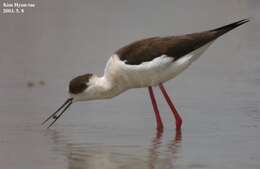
x,y
218,96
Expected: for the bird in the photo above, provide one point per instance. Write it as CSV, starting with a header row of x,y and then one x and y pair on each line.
x,y
145,63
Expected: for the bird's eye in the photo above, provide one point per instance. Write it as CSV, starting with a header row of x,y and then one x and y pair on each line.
x,y
83,86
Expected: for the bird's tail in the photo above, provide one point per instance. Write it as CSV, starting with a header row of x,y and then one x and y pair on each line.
x,y
224,29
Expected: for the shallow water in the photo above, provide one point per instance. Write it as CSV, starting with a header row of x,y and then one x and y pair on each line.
x,y
218,96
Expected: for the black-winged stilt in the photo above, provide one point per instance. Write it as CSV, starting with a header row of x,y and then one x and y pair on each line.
x,y
144,63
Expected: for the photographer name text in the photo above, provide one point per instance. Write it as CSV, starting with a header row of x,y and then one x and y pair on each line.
x,y
16,7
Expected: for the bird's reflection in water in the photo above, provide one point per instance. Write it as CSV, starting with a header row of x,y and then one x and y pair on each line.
x,y
94,156
169,160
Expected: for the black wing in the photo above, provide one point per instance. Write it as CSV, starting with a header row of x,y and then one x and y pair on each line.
x,y
173,46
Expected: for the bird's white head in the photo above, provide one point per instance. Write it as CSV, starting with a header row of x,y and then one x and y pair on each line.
x,y
81,87
90,87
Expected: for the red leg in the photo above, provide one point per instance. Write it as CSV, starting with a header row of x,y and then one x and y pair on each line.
x,y
156,110
170,103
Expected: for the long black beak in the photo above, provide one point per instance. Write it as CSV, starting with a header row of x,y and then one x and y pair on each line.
x,y
55,116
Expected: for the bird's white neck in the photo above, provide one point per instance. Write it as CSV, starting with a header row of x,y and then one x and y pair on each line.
x,y
101,86
98,88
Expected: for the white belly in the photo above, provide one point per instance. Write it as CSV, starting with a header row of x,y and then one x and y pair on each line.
x,y
151,73
153,77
